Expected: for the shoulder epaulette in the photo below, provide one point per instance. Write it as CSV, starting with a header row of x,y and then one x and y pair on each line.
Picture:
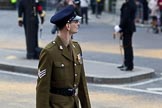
x,y
50,45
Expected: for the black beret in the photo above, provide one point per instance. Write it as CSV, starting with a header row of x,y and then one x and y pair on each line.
x,y
65,15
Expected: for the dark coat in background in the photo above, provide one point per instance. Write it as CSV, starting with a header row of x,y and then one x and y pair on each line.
x,y
28,11
127,17
145,10
127,25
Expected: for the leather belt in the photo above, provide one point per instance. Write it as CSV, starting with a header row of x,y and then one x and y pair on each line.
x,y
64,91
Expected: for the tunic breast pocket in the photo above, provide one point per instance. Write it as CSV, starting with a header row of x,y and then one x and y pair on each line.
x,y
61,71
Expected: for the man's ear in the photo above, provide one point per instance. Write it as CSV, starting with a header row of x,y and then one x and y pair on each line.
x,y
68,26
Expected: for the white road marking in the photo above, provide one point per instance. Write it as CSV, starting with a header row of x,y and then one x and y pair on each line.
x,y
97,85
10,50
141,83
129,89
154,89
18,74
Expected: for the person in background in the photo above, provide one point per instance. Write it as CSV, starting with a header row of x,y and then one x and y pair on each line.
x,y
28,11
84,11
154,15
14,3
126,29
64,3
100,6
59,6
138,12
145,11
93,6
61,79
159,3
43,3
76,4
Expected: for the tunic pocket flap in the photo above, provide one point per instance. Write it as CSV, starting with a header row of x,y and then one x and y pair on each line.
x,y
59,64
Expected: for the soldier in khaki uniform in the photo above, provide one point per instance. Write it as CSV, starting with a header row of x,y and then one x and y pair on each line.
x,y
61,78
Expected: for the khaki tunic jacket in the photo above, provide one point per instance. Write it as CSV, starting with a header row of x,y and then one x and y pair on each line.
x,y
58,67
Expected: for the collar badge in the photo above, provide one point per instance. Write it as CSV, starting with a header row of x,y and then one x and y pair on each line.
x,y
61,47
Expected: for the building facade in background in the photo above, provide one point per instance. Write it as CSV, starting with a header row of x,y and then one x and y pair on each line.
x,y
5,4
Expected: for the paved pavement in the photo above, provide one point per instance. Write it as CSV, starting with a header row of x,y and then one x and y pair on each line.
x,y
96,72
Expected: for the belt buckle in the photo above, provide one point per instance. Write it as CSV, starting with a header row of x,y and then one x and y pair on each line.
x,y
71,91
74,91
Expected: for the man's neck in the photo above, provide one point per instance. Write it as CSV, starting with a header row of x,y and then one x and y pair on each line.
x,y
65,37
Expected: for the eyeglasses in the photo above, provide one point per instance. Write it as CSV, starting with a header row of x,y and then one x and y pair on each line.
x,y
75,21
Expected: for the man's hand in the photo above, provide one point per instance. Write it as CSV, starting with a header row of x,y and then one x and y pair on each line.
x,y
42,20
20,23
117,28
42,16
117,32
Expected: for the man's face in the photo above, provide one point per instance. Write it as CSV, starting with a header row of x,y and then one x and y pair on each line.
x,y
74,26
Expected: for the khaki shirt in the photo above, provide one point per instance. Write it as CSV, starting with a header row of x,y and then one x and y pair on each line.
x,y
61,68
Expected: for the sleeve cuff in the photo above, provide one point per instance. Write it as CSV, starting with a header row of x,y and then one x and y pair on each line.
x,y
43,14
20,19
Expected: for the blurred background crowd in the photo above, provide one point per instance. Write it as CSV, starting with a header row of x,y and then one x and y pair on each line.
x,y
148,11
